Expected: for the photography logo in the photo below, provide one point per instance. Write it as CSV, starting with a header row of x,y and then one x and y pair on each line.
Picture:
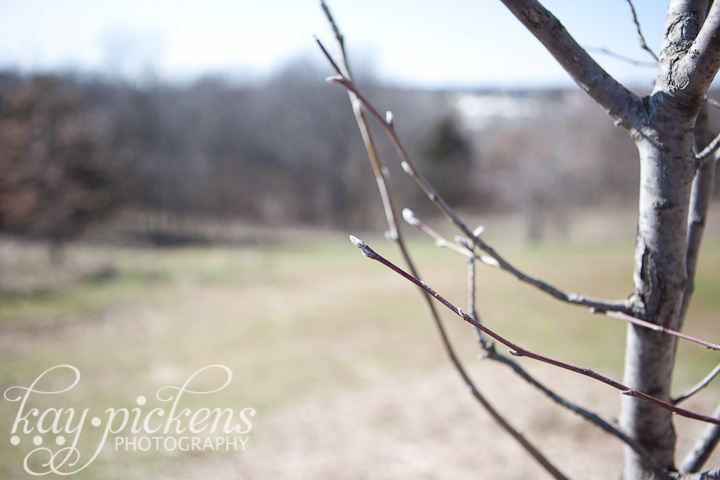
x,y
65,440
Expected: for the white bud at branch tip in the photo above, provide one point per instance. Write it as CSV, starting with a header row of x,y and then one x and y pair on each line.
x,y
356,241
410,217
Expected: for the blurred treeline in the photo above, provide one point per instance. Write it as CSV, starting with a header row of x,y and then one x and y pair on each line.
x,y
285,151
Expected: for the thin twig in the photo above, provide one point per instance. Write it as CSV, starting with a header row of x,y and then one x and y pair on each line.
x,y
631,61
712,101
703,447
699,386
641,37
336,30
708,151
440,241
519,351
485,343
658,328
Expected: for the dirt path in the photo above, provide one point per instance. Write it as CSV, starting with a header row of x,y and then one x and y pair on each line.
x,y
415,427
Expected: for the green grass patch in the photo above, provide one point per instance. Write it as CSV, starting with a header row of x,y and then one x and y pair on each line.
x,y
302,320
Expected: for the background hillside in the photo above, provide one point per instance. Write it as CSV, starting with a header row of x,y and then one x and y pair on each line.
x,y
157,156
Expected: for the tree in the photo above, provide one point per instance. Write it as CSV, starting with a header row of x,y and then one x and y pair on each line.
x,y
57,176
677,158
448,161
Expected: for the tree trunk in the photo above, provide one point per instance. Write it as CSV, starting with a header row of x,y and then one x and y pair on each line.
x,y
662,126
660,276
668,168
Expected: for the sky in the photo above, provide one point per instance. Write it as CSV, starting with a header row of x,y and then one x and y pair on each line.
x,y
418,43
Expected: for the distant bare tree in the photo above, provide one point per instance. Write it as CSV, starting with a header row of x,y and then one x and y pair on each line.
x,y
211,148
678,159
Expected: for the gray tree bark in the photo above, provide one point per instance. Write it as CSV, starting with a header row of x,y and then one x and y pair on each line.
x,y
662,126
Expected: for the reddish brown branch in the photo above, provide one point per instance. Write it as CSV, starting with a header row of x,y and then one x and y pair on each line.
x,y
519,351
658,328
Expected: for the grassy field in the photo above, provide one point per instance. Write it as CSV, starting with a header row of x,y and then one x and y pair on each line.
x,y
333,352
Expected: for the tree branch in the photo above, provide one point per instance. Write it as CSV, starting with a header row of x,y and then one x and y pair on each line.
x,y
621,309
624,106
440,241
661,329
619,102
641,37
395,234
703,448
623,58
572,298
702,61
710,475
408,165
699,386
519,351
700,199
708,151
485,343
712,101
369,142
584,413
596,305
690,58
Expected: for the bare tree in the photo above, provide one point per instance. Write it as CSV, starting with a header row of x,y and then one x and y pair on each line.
x,y
678,160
